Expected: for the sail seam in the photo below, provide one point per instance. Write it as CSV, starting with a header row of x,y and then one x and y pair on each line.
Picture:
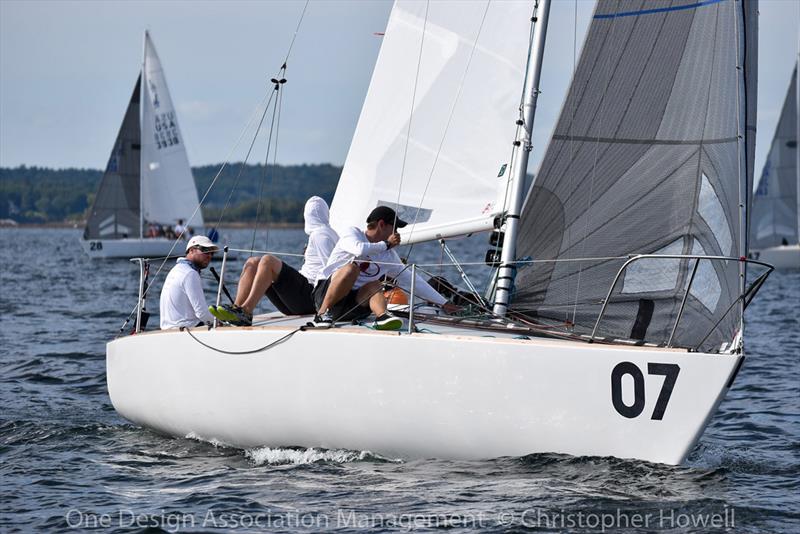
x,y
656,10
627,141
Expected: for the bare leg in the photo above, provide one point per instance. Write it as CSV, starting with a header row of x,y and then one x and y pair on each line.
x,y
246,280
341,283
372,292
267,271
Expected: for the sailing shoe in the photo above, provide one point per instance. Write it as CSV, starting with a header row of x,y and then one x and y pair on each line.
x,y
323,321
234,315
387,321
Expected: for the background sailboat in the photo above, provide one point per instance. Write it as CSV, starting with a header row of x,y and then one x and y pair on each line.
x,y
776,217
147,181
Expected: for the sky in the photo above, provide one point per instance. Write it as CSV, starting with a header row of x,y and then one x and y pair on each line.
x,y
67,69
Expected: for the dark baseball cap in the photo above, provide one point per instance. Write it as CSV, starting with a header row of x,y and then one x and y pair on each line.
x,y
387,215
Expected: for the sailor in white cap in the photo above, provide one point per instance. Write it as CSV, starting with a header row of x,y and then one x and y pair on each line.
x,y
182,300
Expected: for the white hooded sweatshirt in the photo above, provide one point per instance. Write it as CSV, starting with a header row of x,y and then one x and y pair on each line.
x,y
321,238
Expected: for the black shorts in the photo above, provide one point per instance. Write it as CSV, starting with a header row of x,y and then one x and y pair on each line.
x,y
347,309
291,292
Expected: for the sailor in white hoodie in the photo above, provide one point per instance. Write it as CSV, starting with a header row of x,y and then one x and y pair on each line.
x,y
288,289
349,287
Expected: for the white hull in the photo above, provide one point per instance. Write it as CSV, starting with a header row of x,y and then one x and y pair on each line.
x,y
131,248
412,396
783,257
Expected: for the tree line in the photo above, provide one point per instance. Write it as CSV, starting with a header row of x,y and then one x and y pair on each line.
x,y
242,193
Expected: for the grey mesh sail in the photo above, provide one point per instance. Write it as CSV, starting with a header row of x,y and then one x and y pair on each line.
x,y
646,158
115,211
774,221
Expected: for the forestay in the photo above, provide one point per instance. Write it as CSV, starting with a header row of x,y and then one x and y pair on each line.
x,y
438,122
115,211
775,204
647,157
168,190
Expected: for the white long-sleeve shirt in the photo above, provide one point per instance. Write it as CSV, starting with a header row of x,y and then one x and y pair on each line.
x,y
376,260
182,300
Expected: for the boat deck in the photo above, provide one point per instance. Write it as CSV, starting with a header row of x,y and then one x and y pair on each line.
x,y
429,323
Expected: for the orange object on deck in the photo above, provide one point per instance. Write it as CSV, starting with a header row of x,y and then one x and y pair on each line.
x,y
395,296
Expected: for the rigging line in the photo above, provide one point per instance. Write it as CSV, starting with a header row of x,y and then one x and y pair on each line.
x,y
449,120
296,31
235,146
521,116
243,352
365,301
208,190
283,67
743,214
488,311
247,156
271,184
411,111
266,166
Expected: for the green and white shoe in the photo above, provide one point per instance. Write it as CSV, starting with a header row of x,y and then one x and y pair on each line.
x,y
233,315
387,321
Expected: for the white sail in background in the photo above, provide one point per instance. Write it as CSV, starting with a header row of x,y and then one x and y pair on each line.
x,y
168,190
774,220
454,70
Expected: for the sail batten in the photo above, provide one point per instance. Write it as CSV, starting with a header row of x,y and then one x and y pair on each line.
x,y
646,159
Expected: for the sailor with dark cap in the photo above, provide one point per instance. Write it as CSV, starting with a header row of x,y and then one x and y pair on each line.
x,y
349,286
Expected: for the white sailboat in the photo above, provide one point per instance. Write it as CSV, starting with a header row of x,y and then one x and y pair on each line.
x,y
776,202
148,181
623,333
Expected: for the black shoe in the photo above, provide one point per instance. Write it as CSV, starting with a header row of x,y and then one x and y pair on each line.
x,y
387,321
323,321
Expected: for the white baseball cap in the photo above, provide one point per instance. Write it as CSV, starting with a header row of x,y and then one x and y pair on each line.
x,y
203,243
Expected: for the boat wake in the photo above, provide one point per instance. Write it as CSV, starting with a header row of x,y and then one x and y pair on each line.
x,y
298,456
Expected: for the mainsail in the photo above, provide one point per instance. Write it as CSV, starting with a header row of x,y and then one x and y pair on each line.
x,y
115,211
168,189
435,135
652,154
775,203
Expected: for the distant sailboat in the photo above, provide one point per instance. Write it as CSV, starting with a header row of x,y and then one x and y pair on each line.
x,y
148,183
775,221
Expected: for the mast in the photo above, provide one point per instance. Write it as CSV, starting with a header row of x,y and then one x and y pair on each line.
x,y
141,152
522,148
